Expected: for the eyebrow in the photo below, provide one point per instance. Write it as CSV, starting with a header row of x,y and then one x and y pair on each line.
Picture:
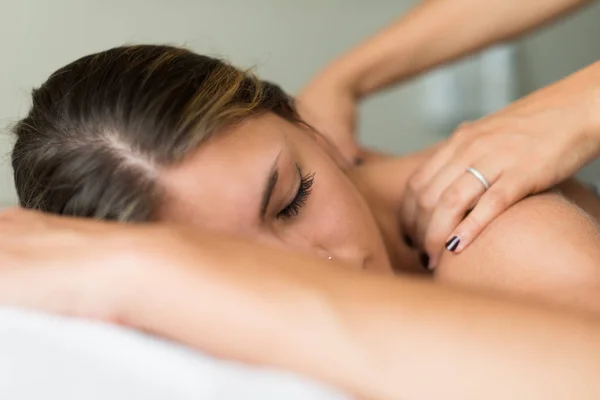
x,y
269,188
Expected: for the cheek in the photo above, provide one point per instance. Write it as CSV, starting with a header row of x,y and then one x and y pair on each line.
x,y
334,205
336,220
333,215
338,207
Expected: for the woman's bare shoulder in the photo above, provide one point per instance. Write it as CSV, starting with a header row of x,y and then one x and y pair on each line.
x,y
545,247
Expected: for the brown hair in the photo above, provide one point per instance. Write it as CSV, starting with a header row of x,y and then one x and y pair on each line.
x,y
101,128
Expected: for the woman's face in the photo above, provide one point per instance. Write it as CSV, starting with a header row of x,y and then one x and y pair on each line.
x,y
275,182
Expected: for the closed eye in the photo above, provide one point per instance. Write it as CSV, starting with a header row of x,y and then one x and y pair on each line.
x,y
304,190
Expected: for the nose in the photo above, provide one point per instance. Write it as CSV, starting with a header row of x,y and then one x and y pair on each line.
x,y
346,254
352,257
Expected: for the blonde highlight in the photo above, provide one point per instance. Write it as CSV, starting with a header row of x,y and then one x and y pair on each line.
x,y
125,114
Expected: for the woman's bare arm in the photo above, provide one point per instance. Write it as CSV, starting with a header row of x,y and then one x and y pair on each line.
x,y
371,336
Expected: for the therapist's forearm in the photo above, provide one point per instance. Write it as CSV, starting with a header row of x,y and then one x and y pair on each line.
x,y
371,336
595,113
436,32
580,91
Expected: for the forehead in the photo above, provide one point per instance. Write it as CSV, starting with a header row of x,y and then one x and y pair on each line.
x,y
222,182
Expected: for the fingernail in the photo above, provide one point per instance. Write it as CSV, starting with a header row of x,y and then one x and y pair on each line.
x,y
408,241
424,258
453,243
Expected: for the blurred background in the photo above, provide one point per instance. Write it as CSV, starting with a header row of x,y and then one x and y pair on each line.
x,y
287,41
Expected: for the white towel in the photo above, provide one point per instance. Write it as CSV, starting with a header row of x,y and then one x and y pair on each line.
x,y
50,357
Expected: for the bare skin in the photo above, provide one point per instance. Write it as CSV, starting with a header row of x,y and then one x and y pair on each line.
x,y
513,256
234,297
504,146
363,231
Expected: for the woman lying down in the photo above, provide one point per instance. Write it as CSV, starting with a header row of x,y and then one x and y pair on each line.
x,y
252,239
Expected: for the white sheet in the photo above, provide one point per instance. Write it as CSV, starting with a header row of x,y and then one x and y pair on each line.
x,y
49,357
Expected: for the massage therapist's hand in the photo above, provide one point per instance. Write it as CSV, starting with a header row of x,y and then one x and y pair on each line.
x,y
329,105
526,148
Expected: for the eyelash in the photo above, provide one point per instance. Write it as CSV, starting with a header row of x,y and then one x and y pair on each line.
x,y
293,209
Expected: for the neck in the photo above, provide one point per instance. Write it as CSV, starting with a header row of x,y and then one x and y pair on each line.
x,y
384,198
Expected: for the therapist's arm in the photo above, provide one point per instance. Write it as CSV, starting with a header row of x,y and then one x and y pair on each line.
x,y
371,336
433,33
436,32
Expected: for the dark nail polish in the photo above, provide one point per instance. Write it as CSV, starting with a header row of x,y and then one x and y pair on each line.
x,y
453,243
408,241
424,258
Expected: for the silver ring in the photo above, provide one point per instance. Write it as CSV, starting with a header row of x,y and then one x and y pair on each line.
x,y
479,177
